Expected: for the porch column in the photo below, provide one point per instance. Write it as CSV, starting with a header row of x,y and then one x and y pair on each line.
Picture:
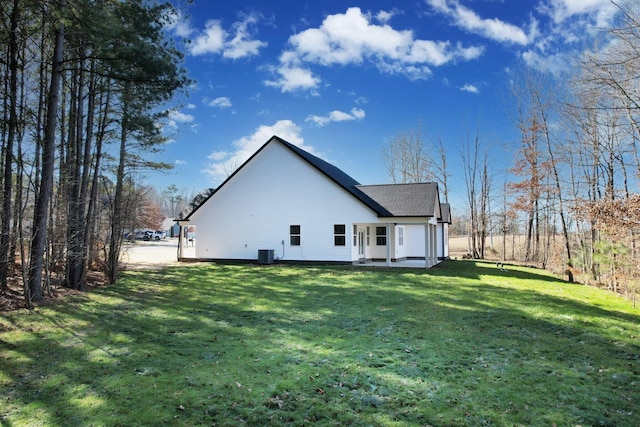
x,y
427,245
388,245
430,243
179,241
434,245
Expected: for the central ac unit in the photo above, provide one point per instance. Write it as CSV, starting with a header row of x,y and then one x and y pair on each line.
x,y
265,256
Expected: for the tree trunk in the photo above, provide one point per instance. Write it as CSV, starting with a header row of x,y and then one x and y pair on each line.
x,y
529,242
43,196
115,239
5,218
76,266
91,208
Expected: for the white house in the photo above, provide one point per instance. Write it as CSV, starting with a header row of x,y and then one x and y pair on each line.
x,y
284,204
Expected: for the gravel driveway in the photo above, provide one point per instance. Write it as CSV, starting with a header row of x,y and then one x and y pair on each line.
x,y
141,255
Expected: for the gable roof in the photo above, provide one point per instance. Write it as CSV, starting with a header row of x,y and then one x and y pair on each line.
x,y
408,200
197,201
336,175
388,201
445,213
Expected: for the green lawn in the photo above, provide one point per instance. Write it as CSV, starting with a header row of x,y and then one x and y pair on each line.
x,y
463,344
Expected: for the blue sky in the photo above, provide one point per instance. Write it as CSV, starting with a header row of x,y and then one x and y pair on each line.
x,y
340,79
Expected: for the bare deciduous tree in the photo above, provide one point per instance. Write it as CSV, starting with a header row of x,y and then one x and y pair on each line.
x,y
407,159
478,185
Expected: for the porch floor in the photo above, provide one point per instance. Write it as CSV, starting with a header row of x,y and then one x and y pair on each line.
x,y
410,263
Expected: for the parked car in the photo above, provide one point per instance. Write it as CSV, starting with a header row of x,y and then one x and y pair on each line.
x,y
144,234
159,234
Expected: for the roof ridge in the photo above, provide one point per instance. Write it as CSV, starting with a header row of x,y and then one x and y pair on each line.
x,y
338,176
397,183
332,172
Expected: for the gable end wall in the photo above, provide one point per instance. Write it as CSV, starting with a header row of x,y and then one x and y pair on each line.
x,y
276,189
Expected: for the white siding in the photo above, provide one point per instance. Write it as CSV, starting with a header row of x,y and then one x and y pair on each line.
x,y
255,208
414,240
379,252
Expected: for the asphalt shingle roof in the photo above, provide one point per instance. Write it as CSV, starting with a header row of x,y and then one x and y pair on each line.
x,y
197,201
408,200
339,177
445,213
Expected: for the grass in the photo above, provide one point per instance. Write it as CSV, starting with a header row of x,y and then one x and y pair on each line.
x,y
463,344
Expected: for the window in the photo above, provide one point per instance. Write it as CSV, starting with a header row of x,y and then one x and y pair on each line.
x,y
339,235
355,235
381,236
294,233
400,236
368,236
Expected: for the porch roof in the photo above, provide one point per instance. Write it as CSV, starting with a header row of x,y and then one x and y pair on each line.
x,y
445,213
405,200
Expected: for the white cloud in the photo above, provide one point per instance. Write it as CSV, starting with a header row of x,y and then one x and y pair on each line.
x,y
557,64
214,39
224,163
358,113
353,39
601,11
180,117
573,22
337,116
218,155
177,24
293,78
494,28
548,43
242,44
175,118
180,162
468,87
572,25
384,16
211,40
220,102
361,100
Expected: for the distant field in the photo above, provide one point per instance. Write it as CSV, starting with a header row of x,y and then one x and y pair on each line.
x,y
459,246
225,345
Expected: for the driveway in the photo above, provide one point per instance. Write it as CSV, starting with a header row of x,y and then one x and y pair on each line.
x,y
149,255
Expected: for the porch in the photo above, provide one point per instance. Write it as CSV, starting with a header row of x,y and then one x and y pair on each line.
x,y
407,263
410,243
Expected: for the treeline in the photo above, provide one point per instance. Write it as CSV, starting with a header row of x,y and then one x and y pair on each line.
x,y
568,201
84,87
572,188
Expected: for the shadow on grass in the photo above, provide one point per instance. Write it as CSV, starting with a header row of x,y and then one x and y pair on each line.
x,y
223,345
